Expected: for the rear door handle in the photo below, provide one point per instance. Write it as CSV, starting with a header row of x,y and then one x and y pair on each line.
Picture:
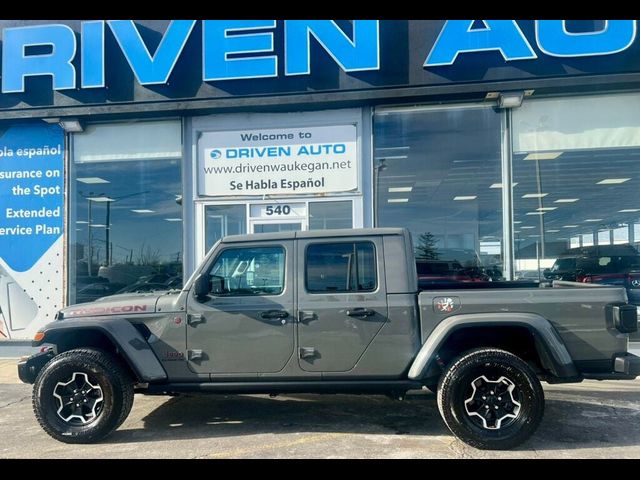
x,y
277,315
306,316
360,312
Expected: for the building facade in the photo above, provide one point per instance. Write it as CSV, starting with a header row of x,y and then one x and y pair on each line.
x,y
128,148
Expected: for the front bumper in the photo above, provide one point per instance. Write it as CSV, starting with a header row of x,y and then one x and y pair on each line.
x,y
28,368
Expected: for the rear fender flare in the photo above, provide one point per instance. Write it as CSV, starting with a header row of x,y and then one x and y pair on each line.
x,y
552,351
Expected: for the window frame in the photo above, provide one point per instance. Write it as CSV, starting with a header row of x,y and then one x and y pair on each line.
x,y
342,292
284,279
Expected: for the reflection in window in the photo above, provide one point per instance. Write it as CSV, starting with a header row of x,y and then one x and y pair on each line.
x,y
438,173
272,227
575,242
577,178
587,239
621,235
604,237
250,271
125,210
341,267
223,220
324,215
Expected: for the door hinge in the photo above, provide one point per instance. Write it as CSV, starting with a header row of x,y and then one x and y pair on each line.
x,y
195,355
307,352
195,318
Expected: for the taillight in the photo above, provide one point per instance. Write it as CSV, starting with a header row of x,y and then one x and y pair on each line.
x,y
623,317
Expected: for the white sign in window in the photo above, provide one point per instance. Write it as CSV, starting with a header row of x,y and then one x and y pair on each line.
x,y
278,161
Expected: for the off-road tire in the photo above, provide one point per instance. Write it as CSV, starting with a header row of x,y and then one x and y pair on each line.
x,y
101,369
455,387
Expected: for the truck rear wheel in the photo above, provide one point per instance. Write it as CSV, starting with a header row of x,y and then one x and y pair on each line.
x,y
490,399
82,395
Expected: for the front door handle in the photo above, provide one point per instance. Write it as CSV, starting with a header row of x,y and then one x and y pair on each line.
x,y
360,312
195,318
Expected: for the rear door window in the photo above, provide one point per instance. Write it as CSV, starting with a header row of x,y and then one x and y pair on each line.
x,y
340,267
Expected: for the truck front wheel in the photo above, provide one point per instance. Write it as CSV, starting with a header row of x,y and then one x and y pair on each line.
x,y
82,395
490,399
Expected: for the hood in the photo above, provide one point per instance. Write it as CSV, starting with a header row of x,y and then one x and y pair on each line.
x,y
124,304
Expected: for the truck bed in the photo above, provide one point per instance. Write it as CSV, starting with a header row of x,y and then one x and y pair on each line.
x,y
576,311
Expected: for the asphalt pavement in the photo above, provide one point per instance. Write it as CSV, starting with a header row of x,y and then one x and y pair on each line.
x,y
587,420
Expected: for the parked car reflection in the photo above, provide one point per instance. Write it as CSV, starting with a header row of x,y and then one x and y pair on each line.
x,y
93,291
602,264
452,265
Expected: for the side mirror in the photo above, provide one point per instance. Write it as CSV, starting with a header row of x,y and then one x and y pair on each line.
x,y
216,284
546,272
202,286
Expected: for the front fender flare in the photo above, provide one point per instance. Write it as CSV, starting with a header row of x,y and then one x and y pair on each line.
x,y
550,347
133,346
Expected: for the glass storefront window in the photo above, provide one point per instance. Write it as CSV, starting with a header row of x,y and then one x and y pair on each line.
x,y
621,235
577,174
125,210
324,215
223,220
587,240
438,173
604,237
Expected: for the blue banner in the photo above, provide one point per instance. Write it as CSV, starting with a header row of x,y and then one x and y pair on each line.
x,y
31,192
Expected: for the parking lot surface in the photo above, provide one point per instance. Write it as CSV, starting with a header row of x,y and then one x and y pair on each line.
x,y
587,420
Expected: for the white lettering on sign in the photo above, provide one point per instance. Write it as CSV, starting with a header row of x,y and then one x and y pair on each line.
x,y
289,160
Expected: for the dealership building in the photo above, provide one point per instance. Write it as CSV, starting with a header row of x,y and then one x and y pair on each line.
x,y
128,148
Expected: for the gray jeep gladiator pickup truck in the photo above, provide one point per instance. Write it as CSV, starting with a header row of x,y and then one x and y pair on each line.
x,y
329,311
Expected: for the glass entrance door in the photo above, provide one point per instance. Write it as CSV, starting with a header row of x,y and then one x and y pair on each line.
x,y
219,219
272,227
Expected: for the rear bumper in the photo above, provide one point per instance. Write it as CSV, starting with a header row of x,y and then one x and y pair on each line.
x,y
28,368
627,364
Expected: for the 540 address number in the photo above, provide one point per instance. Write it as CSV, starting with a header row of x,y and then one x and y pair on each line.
x,y
277,210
